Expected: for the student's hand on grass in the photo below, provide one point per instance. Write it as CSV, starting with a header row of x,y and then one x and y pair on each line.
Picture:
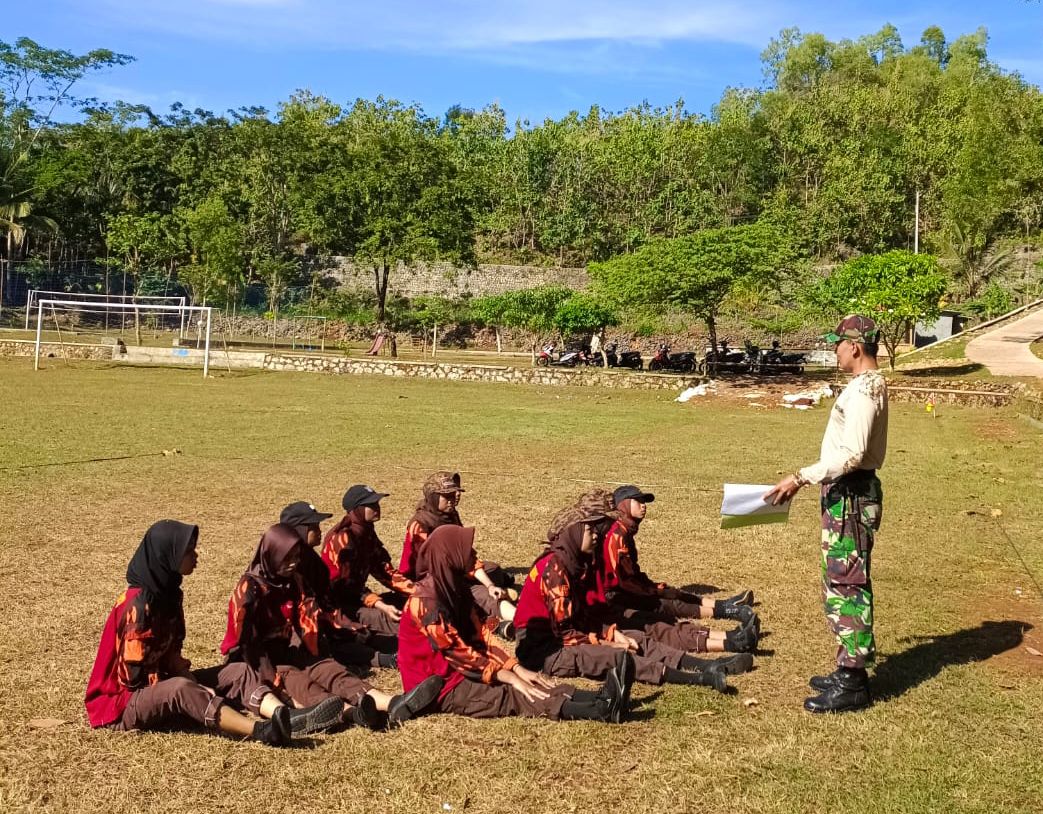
x,y
624,642
393,613
531,692
533,677
782,491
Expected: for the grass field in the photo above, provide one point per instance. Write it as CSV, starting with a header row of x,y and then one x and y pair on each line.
x,y
957,727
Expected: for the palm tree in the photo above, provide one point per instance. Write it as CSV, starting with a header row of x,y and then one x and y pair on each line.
x,y
17,218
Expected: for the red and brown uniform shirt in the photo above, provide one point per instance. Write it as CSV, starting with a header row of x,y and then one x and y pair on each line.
x,y
548,593
266,624
353,555
618,570
429,644
416,535
139,647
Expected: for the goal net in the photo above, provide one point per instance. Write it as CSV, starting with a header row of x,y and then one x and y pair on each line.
x,y
36,294
149,331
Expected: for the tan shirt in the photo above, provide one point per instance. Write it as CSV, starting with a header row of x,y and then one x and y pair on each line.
x,y
856,435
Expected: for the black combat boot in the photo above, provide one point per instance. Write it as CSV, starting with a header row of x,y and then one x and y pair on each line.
x,y
824,682
410,704
850,691
731,665
316,718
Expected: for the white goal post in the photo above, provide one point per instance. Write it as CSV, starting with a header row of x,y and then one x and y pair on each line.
x,y
184,311
35,294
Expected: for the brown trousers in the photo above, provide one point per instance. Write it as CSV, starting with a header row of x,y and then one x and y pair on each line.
x,y
378,622
197,699
477,700
319,681
650,609
679,635
595,660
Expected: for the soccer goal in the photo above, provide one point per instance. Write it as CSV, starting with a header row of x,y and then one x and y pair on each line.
x,y
35,294
162,320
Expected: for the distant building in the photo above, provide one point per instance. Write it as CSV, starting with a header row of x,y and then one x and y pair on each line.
x,y
947,324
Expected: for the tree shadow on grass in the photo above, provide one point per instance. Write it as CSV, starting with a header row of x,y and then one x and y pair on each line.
x,y
942,370
898,674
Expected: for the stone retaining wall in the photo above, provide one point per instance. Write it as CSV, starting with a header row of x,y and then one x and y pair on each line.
x,y
66,350
448,280
553,377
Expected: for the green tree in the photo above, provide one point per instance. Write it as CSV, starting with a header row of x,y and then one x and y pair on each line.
x,y
529,310
896,289
696,273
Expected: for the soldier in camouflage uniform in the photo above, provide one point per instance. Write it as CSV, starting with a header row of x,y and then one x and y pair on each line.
x,y
853,448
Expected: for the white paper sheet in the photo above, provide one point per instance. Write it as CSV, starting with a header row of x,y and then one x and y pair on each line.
x,y
743,505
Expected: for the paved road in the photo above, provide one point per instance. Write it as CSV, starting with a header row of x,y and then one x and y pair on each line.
x,y
1005,351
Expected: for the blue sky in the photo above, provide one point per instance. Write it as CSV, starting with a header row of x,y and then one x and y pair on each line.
x,y
536,58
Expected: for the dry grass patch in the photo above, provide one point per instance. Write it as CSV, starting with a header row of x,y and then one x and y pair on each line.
x,y
958,729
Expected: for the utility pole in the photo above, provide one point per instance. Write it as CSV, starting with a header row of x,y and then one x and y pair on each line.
x,y
916,226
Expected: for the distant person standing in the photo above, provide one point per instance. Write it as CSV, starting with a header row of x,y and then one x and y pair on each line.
x,y
853,448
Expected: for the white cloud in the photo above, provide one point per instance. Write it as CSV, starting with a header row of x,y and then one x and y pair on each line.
x,y
465,25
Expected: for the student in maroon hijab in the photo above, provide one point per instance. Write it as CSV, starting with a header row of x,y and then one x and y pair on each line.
x,y
140,679
441,634
491,586
274,627
353,553
350,642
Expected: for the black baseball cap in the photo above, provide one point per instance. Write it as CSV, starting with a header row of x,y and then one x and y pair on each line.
x,y
302,513
631,492
360,495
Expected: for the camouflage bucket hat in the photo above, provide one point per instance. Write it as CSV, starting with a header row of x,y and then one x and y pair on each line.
x,y
442,483
590,507
855,327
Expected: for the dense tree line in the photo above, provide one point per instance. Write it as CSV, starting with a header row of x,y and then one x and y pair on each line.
x,y
831,153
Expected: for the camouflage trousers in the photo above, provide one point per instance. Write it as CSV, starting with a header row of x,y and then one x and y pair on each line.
x,y
851,511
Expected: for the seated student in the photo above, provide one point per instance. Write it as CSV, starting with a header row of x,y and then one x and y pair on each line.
x,y
273,626
140,679
554,636
491,586
353,553
350,642
620,584
441,634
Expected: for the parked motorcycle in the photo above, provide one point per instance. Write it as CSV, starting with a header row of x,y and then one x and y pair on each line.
x,y
628,358
567,358
724,359
683,362
775,361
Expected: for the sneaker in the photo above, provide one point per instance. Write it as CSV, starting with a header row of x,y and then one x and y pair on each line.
x,y
744,598
366,714
410,704
316,718
505,630
624,670
276,730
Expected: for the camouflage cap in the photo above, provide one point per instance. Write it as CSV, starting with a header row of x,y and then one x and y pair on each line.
x,y
442,483
855,327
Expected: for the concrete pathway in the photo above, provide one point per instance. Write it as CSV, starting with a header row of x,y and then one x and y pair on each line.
x,y
1005,351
